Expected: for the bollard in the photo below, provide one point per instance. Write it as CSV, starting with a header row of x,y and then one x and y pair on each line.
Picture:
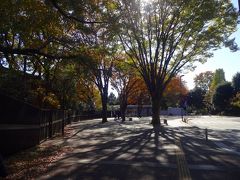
x,y
206,134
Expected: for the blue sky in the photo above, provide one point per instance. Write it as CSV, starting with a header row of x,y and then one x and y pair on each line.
x,y
223,58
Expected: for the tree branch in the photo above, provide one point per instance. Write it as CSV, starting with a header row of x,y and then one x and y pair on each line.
x,y
69,16
33,52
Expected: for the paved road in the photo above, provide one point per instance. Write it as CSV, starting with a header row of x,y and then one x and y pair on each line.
x,y
216,122
224,131
134,150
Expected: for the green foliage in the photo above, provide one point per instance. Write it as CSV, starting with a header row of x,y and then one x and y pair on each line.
x,y
236,82
236,101
112,99
218,78
34,35
30,24
222,97
195,99
204,80
64,84
88,94
43,99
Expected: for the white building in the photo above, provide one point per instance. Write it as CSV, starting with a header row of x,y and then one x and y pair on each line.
x,y
146,110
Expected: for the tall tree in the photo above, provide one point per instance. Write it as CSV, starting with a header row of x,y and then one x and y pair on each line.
x,y
100,71
195,99
175,92
236,82
222,97
204,80
163,37
123,81
218,78
102,54
88,94
92,19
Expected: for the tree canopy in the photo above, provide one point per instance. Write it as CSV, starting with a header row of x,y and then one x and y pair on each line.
x,y
222,96
236,82
164,37
62,42
204,80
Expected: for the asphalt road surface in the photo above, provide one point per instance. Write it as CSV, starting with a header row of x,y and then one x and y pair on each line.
x,y
134,150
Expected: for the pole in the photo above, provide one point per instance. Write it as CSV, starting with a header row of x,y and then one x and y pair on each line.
x,y
182,113
206,134
180,91
63,122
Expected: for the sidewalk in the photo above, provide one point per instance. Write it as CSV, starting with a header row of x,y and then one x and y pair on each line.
x,y
115,150
206,160
133,150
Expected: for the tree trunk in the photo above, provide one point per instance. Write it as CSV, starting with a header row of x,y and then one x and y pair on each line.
x,y
155,111
104,108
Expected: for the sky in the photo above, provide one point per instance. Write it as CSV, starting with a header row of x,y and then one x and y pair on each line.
x,y
223,58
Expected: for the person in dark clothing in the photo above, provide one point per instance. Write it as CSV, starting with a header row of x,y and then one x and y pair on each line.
x,y
118,114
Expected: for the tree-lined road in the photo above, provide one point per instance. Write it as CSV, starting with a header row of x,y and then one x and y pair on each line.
x,y
133,150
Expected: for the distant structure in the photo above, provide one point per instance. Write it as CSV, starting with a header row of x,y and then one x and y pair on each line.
x,y
146,110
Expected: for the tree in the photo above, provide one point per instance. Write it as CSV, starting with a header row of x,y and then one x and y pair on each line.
x,y
90,19
123,80
112,99
64,84
204,80
88,95
222,97
235,103
174,92
39,50
236,82
99,70
84,12
195,99
139,94
46,37
163,37
218,78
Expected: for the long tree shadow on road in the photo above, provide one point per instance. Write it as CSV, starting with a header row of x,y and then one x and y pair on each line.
x,y
121,153
129,151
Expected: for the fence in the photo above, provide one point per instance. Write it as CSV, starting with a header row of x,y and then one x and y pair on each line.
x,y
52,123
16,137
23,125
